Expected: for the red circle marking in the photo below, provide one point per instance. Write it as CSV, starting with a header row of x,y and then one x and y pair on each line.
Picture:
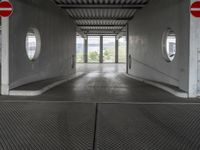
x,y
195,9
6,9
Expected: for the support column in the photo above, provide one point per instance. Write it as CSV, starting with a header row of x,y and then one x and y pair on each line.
x,y
101,49
86,50
5,56
194,48
116,50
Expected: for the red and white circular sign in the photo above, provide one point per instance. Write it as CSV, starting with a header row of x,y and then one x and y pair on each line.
x,y
6,9
195,9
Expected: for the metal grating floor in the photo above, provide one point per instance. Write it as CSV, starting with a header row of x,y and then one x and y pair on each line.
x,y
148,127
46,126
77,126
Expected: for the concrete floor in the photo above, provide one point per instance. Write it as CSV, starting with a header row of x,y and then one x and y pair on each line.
x,y
102,110
104,83
107,83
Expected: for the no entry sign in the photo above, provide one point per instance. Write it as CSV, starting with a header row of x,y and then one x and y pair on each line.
x,y
195,9
6,9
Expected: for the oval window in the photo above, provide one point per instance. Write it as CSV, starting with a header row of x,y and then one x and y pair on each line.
x,y
169,45
33,43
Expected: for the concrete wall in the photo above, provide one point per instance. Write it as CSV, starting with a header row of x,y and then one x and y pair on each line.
x,y
194,71
145,37
58,38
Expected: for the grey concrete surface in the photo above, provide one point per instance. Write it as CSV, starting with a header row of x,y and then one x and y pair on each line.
x,y
58,37
194,64
103,83
145,38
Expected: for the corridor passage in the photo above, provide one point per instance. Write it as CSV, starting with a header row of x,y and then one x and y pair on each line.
x,y
103,83
79,75
108,83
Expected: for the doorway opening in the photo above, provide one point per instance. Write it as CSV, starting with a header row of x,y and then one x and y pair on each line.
x,y
93,49
101,49
109,50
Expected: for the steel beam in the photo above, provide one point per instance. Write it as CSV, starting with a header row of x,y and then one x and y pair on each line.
x,y
104,19
123,32
101,50
116,50
86,50
80,32
98,34
102,30
104,25
101,6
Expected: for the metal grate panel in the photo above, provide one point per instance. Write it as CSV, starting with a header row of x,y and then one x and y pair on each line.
x,y
46,126
152,127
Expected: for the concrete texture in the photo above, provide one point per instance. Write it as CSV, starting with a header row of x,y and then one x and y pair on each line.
x,y
166,87
145,37
58,37
5,56
194,65
38,88
104,83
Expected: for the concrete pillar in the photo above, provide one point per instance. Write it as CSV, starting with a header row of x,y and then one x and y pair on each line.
x,y
86,50
5,56
101,49
194,67
116,50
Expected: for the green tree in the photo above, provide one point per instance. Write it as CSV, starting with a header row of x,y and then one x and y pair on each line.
x,y
107,54
93,56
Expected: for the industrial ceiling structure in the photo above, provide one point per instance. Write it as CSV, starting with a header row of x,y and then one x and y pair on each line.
x,y
94,17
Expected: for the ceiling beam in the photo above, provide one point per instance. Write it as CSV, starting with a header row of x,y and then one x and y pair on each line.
x,y
102,19
102,33
112,30
104,25
80,32
101,6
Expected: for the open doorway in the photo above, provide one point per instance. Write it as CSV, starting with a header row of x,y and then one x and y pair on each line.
x,y
109,49
93,49
102,50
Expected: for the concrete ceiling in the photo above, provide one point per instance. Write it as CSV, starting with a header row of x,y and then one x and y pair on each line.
x,y
95,17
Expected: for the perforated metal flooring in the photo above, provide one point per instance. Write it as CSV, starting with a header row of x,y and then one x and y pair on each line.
x,y
148,127
76,126
46,126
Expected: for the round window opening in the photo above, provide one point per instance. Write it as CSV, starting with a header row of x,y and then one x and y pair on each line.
x,y
169,45
33,44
